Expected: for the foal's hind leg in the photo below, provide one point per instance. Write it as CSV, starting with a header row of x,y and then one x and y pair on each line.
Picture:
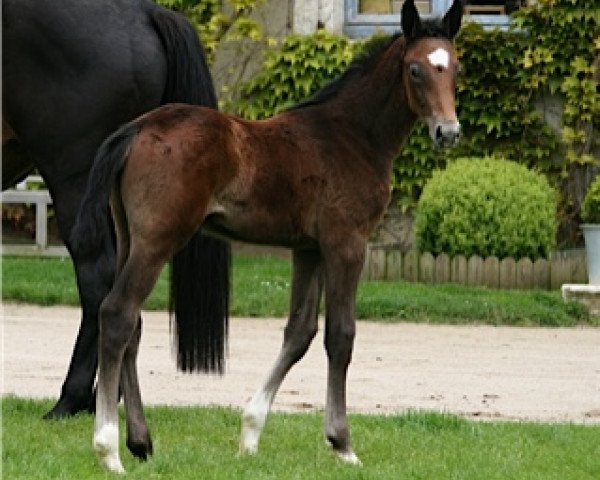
x,y
343,265
119,316
299,332
138,435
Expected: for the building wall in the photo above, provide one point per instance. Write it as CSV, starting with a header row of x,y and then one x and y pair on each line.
x,y
308,15
239,61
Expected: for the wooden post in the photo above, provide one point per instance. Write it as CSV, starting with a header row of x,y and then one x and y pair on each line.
x,y
377,264
507,273
410,266
475,270
427,268
524,274
442,268
459,269
541,274
491,272
393,265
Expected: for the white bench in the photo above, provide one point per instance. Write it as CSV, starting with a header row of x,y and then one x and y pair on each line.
x,y
41,199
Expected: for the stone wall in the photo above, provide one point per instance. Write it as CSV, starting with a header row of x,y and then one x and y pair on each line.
x,y
239,61
312,14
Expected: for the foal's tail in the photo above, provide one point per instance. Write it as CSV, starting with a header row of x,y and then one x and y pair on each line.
x,y
200,281
92,230
199,299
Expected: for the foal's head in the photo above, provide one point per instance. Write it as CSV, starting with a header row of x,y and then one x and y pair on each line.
x,y
429,70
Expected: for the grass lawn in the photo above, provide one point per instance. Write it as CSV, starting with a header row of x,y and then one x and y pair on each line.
x,y
194,443
261,287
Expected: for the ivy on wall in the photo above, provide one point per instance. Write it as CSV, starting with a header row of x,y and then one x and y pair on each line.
x,y
294,71
564,58
220,20
552,47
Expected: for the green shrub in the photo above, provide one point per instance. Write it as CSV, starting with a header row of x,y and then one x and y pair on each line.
x,y
487,206
590,210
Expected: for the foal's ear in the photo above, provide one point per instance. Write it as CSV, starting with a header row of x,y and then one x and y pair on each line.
x,y
451,20
411,22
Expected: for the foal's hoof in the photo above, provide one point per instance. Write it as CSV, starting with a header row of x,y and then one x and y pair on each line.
x,y
106,446
108,458
349,457
248,442
252,426
142,449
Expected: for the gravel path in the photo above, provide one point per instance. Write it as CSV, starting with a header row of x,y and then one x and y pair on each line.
x,y
480,372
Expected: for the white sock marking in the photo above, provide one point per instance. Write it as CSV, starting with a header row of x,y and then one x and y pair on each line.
x,y
253,421
349,457
439,58
106,445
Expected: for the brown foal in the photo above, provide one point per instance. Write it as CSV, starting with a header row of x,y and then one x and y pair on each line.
x,y
315,178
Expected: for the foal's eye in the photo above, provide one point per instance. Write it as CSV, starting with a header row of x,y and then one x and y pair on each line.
x,y
415,71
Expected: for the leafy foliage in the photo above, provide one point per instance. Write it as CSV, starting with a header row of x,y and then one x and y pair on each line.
x,y
590,211
487,207
297,69
564,58
218,20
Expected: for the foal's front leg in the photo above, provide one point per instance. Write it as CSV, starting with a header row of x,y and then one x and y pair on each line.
x,y
115,331
343,266
299,332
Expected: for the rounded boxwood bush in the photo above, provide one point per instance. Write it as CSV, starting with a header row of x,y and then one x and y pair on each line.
x,y
487,207
590,210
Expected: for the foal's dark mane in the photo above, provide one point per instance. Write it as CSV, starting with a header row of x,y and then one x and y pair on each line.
x,y
367,59
361,65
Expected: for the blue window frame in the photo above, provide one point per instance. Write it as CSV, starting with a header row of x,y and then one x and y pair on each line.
x,y
357,24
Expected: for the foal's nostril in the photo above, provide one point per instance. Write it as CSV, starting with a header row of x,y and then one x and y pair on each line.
x,y
451,137
446,136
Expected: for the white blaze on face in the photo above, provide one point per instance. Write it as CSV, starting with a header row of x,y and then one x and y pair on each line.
x,y
439,58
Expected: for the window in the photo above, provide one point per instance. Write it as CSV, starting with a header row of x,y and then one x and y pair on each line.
x,y
364,17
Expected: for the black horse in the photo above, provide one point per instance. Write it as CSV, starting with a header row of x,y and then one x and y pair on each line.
x,y
72,72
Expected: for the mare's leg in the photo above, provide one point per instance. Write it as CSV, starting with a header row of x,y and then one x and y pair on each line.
x,y
94,279
119,315
343,265
298,334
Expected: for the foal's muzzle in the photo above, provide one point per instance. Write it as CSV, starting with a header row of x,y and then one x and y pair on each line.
x,y
445,133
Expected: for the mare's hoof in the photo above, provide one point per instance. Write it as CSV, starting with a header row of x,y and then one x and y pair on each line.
x,y
67,408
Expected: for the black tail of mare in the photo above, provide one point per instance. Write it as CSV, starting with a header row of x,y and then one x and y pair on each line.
x,y
199,277
199,300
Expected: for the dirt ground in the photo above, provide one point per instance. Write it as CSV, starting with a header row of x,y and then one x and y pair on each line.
x,y
479,372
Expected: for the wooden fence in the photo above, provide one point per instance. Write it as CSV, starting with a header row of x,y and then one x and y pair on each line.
x,y
384,262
